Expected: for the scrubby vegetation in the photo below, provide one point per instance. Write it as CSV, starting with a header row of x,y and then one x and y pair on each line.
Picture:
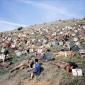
x,y
52,36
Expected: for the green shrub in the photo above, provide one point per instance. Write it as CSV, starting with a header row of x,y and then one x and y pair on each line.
x,y
14,60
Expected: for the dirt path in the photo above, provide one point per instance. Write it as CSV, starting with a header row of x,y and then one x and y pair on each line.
x,y
31,82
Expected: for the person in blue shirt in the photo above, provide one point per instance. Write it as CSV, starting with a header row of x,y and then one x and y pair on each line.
x,y
36,69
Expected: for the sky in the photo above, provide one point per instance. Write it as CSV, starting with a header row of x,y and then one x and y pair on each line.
x,y
16,13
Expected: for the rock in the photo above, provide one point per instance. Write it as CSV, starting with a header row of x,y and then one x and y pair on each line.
x,y
77,72
61,43
75,39
18,53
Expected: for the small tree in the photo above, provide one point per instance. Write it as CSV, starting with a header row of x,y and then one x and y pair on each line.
x,y
84,18
20,28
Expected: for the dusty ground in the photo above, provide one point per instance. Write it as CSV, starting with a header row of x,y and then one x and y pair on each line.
x,y
51,75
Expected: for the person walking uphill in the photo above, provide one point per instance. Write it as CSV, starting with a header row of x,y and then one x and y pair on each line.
x,y
36,69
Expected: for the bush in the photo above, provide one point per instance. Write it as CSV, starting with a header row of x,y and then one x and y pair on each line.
x,y
3,71
84,18
20,28
14,60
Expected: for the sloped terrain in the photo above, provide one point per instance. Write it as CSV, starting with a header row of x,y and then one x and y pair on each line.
x,y
57,36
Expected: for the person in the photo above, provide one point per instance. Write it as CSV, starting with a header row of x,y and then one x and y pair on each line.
x,y
36,69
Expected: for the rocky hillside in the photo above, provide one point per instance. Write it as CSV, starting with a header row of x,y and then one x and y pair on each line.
x,y
62,42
